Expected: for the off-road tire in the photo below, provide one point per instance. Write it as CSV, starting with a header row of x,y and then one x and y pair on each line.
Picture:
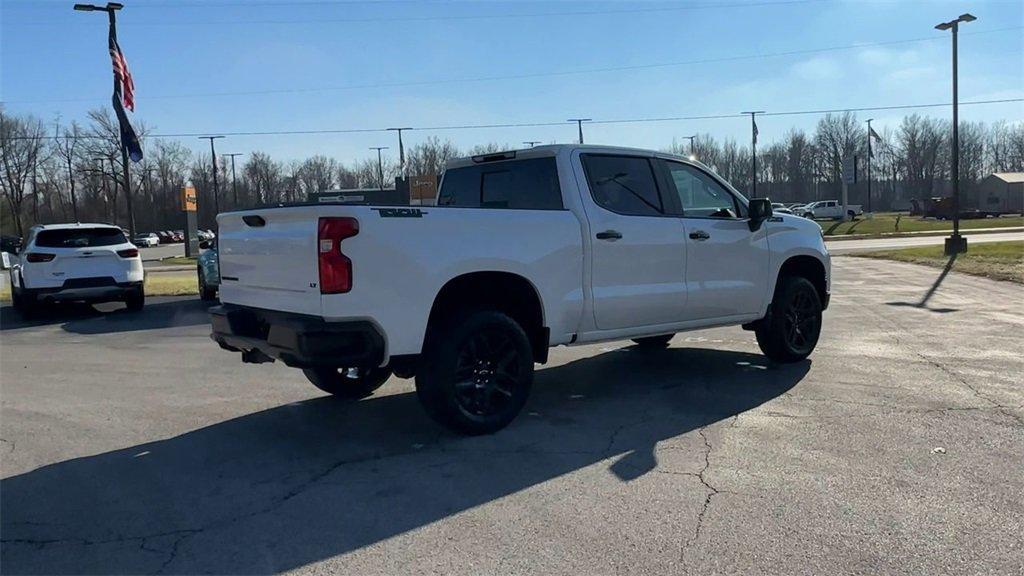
x,y
792,330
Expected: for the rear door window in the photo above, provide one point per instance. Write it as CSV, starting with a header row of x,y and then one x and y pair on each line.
x,y
79,238
623,184
530,184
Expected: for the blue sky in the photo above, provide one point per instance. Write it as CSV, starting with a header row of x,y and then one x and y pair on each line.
x,y
184,52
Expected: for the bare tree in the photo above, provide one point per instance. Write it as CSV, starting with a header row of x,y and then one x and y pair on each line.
x,y
21,145
65,143
263,176
430,156
317,174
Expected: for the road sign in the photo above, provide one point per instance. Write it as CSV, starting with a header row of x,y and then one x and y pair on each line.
x,y
850,170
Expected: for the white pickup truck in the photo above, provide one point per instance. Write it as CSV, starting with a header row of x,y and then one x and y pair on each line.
x,y
830,209
525,250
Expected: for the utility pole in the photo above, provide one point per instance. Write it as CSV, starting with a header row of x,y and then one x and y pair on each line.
x,y
753,152
234,184
111,9
401,149
380,165
213,159
531,143
870,155
956,243
579,125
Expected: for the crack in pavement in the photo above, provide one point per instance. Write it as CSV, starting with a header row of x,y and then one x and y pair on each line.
x,y
712,491
1003,409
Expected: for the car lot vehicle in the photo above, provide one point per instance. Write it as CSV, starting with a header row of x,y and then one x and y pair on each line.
x,y
146,240
76,262
178,235
527,249
208,271
780,208
830,209
165,236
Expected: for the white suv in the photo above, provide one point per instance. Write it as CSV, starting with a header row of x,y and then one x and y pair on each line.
x,y
76,262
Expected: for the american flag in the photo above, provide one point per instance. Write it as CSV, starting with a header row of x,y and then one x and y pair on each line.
x,y
124,96
121,73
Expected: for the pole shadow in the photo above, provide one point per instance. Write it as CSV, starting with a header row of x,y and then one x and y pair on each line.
x,y
923,303
281,488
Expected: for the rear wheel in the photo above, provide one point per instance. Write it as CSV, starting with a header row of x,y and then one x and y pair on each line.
x,y
476,373
653,342
348,383
792,331
135,299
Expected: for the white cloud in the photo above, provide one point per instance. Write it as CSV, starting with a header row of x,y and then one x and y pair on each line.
x,y
818,68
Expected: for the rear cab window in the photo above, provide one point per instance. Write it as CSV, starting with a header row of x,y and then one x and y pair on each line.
x,y
528,184
79,238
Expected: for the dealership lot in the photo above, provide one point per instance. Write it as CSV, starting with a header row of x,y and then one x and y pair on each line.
x,y
132,444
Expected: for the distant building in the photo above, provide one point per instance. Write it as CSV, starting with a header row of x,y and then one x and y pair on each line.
x,y
1001,192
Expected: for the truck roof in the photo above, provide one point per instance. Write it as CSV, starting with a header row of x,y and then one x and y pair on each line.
x,y
549,150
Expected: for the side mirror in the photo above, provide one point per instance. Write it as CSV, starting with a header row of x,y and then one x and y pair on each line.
x,y
760,209
205,244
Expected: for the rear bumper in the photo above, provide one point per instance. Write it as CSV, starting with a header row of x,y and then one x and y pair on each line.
x,y
104,289
298,340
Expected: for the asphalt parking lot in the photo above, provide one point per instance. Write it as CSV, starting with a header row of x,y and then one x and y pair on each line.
x,y
132,444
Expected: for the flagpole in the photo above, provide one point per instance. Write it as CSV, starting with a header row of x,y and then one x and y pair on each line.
x,y
753,152
111,11
870,155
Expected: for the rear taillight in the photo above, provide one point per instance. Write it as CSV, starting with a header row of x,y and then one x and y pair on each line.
x,y
39,257
128,253
335,267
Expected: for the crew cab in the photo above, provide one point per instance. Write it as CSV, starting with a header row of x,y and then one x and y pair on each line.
x,y
76,262
830,209
524,250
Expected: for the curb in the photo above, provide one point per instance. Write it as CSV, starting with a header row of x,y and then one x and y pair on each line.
x,y
924,233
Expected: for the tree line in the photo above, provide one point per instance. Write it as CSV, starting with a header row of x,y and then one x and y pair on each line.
x,y
53,172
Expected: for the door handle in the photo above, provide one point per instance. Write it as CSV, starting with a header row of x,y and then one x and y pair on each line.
x,y
699,235
609,235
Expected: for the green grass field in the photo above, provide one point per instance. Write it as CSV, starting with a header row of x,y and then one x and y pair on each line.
x,y
160,284
885,222
178,261
997,260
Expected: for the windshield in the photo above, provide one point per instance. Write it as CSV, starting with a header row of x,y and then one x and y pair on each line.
x,y
79,238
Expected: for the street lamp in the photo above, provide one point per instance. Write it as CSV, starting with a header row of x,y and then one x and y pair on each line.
x,y
401,148
380,165
690,138
234,184
955,244
213,160
579,125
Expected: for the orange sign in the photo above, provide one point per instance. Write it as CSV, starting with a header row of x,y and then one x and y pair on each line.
x,y
188,199
423,187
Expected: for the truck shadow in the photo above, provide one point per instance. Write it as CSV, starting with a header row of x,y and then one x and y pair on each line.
x,y
282,488
80,318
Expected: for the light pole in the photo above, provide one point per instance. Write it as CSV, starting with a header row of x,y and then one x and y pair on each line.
x,y
753,152
531,143
401,149
213,160
870,154
579,125
380,165
234,185
111,9
955,244
690,138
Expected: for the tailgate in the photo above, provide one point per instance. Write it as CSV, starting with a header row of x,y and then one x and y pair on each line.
x,y
268,259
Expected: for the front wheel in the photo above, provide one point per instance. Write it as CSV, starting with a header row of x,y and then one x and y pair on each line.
x,y
792,331
206,294
348,383
476,373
